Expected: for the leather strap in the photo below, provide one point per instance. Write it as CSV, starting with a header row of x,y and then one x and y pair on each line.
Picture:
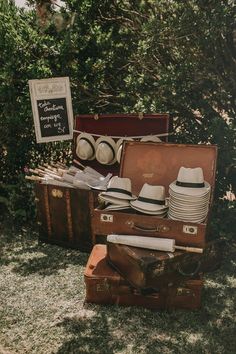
x,y
69,215
47,210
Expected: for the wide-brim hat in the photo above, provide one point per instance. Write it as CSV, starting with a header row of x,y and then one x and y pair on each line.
x,y
113,200
117,207
151,198
161,212
85,146
194,220
106,150
151,138
119,188
119,145
190,181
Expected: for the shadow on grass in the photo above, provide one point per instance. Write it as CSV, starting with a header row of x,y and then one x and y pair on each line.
x,y
21,249
115,329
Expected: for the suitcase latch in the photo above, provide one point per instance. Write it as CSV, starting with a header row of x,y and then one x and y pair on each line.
x,y
184,291
189,229
106,218
57,193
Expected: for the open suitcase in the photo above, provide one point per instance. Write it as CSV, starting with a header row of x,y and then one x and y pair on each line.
x,y
64,213
158,164
105,286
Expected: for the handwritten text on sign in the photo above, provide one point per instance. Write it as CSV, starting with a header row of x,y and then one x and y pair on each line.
x,y
53,117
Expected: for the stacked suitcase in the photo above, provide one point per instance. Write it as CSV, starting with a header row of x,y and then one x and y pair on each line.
x,y
64,214
128,275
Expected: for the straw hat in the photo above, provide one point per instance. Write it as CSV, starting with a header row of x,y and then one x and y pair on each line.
x,y
106,150
119,188
152,138
85,146
119,146
190,181
151,198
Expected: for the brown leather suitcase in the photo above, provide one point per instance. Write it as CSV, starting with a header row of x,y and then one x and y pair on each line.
x,y
105,286
64,216
158,164
149,269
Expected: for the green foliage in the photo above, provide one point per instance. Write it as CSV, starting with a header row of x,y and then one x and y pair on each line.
x,y
121,56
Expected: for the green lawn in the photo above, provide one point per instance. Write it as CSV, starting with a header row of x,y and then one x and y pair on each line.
x,y
42,308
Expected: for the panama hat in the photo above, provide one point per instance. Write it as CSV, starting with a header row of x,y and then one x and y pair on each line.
x,y
160,213
85,146
119,146
113,200
151,198
152,138
117,207
119,188
190,182
106,150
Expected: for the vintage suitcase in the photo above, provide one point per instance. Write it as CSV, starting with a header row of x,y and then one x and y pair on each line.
x,y
158,164
133,125
149,269
64,214
105,286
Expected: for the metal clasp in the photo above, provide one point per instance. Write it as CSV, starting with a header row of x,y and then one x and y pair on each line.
x,y
57,193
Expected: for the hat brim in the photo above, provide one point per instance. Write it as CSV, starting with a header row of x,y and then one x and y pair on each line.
x,y
190,191
118,195
117,207
149,212
196,221
148,206
109,199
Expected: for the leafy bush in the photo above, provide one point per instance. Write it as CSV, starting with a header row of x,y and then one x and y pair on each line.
x,y
121,56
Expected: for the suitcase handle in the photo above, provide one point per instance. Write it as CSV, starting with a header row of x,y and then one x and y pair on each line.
x,y
160,228
182,272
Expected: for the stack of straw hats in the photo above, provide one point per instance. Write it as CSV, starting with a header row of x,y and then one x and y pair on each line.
x,y
189,196
118,194
151,201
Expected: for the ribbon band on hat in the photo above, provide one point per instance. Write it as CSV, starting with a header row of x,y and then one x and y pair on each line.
x,y
88,141
190,185
119,190
110,146
152,201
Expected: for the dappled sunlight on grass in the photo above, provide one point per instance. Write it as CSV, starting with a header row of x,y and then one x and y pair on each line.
x,y
43,311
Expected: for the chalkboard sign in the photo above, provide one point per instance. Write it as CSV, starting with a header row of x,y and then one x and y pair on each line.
x,y
52,109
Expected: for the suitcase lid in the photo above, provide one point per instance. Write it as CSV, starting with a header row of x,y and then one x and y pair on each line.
x,y
97,266
119,125
159,163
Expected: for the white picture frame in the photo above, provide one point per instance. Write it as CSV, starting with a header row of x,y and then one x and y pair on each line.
x,y
52,109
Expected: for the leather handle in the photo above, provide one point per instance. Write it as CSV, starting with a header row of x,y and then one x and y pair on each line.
x,y
158,228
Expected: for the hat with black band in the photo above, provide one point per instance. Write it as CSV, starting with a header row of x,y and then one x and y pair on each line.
x,y
106,150
85,146
151,198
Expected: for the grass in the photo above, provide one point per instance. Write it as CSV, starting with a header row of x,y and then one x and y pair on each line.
x,y
42,308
